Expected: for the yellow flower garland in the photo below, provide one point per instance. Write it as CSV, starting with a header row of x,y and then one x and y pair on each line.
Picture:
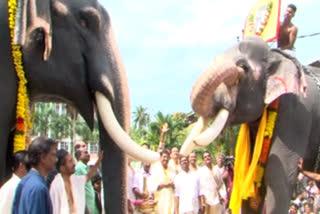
x,y
23,121
248,175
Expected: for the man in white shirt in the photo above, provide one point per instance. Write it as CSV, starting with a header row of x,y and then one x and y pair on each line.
x,y
141,182
20,168
211,186
193,161
67,191
187,190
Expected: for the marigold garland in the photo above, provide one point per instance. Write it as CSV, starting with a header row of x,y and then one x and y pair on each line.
x,y
249,170
23,121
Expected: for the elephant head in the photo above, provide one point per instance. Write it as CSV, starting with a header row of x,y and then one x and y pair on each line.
x,y
70,55
238,84
235,89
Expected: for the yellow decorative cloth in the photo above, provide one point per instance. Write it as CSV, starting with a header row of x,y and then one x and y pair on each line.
x,y
244,172
248,176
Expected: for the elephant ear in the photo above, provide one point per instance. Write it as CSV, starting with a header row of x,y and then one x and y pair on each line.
x,y
285,75
32,15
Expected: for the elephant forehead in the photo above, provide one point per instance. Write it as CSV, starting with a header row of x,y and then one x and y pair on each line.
x,y
60,8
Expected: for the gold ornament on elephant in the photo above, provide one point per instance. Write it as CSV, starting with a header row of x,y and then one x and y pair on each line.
x,y
23,120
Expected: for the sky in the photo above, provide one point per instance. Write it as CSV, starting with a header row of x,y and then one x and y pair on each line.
x,y
166,44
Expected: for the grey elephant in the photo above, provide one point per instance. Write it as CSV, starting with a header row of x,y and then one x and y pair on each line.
x,y
70,55
235,89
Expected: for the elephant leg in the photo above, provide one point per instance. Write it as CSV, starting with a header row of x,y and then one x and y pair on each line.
x,y
6,148
280,178
7,115
114,166
7,118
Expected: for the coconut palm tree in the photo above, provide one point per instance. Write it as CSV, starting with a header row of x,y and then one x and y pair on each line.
x,y
42,117
141,117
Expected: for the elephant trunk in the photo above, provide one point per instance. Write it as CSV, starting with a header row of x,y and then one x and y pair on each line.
x,y
123,103
221,71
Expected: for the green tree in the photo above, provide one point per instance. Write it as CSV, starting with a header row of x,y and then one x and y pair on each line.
x,y
60,126
42,117
83,130
141,117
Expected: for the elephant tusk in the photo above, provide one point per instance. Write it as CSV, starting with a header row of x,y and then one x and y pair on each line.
x,y
214,130
118,135
188,144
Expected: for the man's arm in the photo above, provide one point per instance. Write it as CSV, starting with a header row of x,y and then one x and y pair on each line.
x,y
202,204
164,130
176,205
292,36
94,169
311,175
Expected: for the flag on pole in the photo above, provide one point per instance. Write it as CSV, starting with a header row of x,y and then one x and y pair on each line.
x,y
263,20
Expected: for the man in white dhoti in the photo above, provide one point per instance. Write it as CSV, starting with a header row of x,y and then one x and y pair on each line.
x,y
67,190
187,189
211,185
162,185
20,168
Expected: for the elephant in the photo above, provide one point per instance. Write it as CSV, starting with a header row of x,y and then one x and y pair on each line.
x,y
70,56
236,87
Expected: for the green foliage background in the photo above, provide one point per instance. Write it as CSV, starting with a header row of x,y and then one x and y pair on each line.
x,y
62,122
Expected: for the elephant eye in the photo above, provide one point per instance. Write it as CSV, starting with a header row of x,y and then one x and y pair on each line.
x,y
83,23
243,64
90,19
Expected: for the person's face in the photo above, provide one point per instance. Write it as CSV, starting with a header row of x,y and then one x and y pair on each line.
x,y
289,14
184,163
146,167
49,160
293,209
220,160
69,165
175,153
193,158
81,146
207,159
307,208
85,156
97,186
164,160
22,170
310,183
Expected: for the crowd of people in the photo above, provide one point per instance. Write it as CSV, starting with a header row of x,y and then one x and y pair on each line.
x,y
177,184
307,193
45,180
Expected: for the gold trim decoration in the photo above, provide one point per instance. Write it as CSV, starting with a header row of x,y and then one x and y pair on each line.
x,y
23,119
